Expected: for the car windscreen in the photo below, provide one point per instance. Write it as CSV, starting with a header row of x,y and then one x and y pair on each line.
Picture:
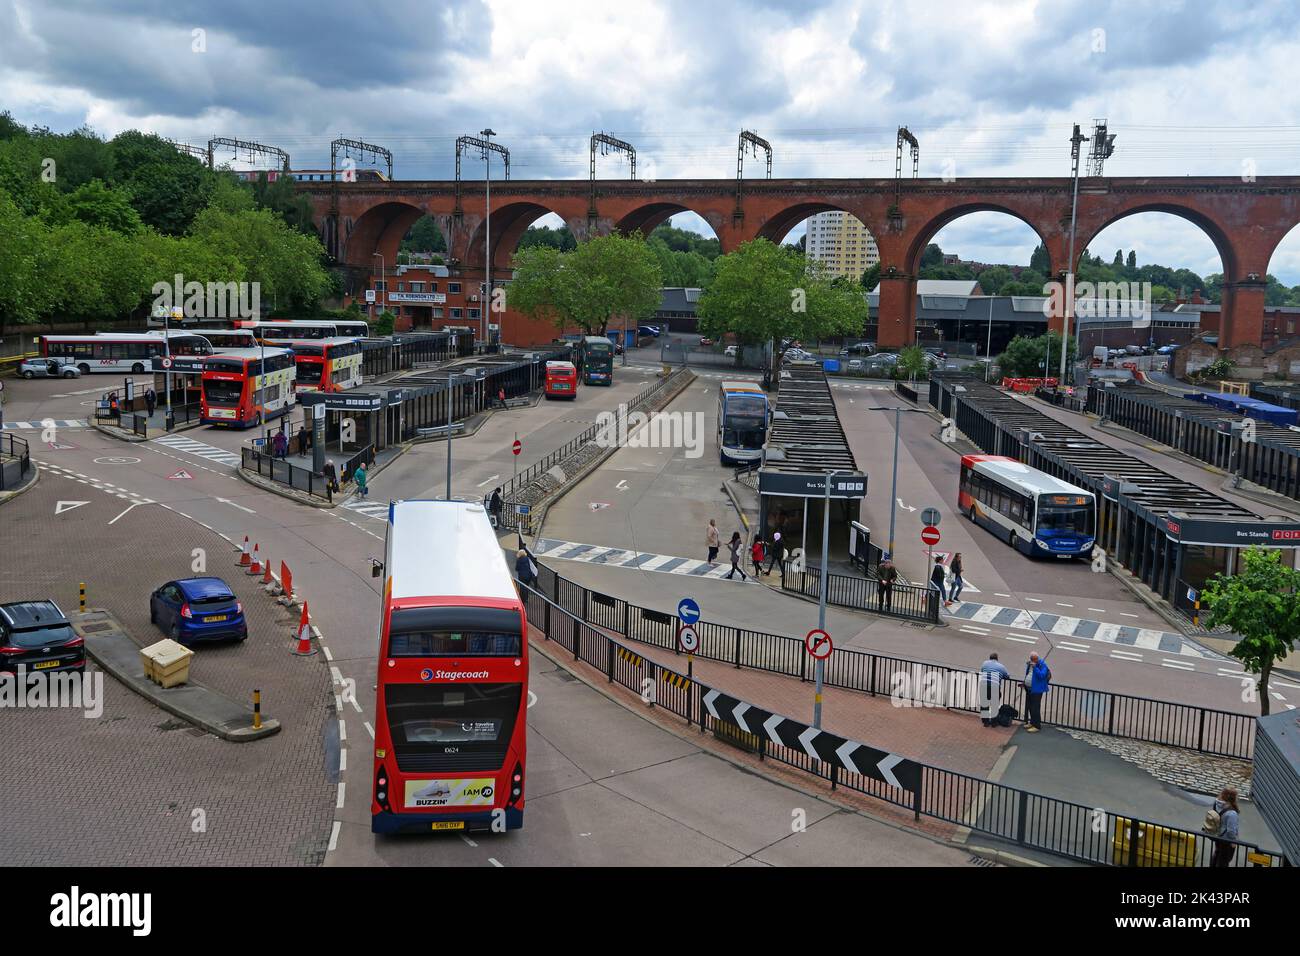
x,y
42,636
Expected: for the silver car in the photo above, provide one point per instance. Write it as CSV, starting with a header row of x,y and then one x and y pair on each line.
x,y
48,368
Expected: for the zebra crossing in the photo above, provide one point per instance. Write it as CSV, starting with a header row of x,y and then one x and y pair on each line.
x,y
1060,625
640,560
371,509
45,423
198,449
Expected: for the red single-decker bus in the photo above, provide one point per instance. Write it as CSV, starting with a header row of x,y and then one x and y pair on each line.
x,y
561,380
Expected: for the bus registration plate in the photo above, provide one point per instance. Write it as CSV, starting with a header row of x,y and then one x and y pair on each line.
x,y
447,825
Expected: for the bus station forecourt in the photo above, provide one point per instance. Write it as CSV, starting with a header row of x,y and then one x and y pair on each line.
x,y
647,500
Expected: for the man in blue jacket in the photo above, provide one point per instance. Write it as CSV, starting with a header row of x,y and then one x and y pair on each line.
x,y
1037,678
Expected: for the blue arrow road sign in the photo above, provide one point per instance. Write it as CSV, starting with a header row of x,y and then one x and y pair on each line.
x,y
688,611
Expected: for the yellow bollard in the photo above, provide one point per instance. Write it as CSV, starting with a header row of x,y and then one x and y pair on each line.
x,y
83,597
257,710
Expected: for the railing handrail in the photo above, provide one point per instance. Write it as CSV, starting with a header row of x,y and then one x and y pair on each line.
x,y
867,662
956,791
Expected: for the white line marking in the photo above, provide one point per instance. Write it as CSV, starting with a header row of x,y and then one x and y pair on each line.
x,y
1126,614
343,729
355,705
343,760
1059,604
1097,610
1022,640
1072,647
370,729
227,501
1000,594
326,651
114,521
492,860
1126,656
334,837
1277,696
971,630
1035,600
487,481
1177,665
342,791
468,841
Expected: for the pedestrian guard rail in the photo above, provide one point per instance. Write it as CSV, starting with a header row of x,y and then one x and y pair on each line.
x,y
1048,824
911,601
1188,726
284,472
16,463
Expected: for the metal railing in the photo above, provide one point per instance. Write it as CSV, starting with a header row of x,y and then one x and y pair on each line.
x,y
285,473
1189,726
1031,820
139,424
14,470
366,455
911,601
1073,403
510,490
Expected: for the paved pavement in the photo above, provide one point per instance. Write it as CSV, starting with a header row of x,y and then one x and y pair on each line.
x,y
132,785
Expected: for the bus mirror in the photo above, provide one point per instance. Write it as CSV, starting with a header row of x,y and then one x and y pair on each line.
x,y
376,568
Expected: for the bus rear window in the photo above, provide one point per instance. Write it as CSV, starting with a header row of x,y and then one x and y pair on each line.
x,y
309,372
454,644
218,392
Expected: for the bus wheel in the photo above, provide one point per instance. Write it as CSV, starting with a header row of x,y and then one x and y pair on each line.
x,y
972,515
1011,539
258,422
85,369
137,369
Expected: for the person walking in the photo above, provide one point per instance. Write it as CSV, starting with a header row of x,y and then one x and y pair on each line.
x,y
937,576
359,476
886,575
774,554
734,546
954,594
280,445
1038,677
304,438
757,552
714,541
150,400
331,479
525,570
494,508
992,674
1229,826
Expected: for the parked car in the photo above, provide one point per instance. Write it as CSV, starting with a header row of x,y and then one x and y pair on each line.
x,y
856,365
1166,350
793,354
858,348
730,350
650,330
48,368
37,636
198,609
705,340
937,353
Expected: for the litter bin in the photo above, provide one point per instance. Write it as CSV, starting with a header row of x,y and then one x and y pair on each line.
x,y
167,663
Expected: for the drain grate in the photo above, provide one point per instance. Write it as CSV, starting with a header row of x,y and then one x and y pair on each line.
x,y
980,861
101,626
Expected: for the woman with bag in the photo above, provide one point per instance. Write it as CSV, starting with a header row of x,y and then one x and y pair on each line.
x,y
734,546
1229,823
757,552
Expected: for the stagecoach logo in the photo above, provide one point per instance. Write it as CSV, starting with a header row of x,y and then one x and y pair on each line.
x,y
464,792
461,675
426,674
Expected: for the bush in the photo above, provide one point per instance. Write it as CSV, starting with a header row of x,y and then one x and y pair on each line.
x,y
383,324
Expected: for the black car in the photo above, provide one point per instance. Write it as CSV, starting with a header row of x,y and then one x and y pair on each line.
x,y
37,636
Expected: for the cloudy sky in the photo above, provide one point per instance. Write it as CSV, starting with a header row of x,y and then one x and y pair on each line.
x,y
990,88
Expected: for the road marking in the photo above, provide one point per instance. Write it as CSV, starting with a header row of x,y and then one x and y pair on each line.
x,y
1000,594
971,630
114,521
468,841
63,506
1126,614
343,729
199,449
227,501
622,485
1059,604
1072,647
1126,656
1178,665
492,860
487,481
1035,600
334,837
1277,696
370,729
343,760
1022,640
1097,610
978,630
342,791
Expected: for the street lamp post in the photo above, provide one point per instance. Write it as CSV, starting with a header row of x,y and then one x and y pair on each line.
x,y
450,385
893,488
487,135
988,346
383,281
1075,140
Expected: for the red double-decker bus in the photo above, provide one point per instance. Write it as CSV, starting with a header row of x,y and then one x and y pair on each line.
x,y
452,693
244,387
561,380
327,365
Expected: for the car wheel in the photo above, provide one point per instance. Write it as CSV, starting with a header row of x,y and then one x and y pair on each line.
x,y
29,374
175,632
70,373
242,637
153,614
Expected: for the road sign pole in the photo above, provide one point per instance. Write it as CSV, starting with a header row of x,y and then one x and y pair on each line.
x,y
893,488
515,456
820,669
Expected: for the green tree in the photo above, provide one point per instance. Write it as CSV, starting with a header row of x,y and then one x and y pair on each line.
x,y
604,277
97,205
1039,260
932,256
764,292
681,240
425,236
285,263
1261,604
383,324
1025,356
561,238
992,279
1132,260
871,278
912,362
1119,259
168,188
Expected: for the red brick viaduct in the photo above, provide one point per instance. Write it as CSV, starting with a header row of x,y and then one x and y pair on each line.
x,y
1245,219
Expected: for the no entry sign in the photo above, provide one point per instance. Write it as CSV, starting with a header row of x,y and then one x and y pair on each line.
x,y
930,535
517,447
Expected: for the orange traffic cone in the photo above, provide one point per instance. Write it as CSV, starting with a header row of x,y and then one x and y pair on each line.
x,y
255,567
244,556
304,648
266,574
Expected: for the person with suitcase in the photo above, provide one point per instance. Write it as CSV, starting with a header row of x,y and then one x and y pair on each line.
x,y
992,674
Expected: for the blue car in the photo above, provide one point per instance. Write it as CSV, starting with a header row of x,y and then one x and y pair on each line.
x,y
198,609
